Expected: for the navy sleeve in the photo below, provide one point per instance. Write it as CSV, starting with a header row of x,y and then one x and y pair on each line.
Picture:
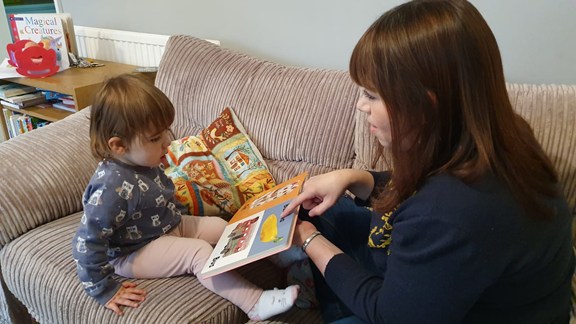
x,y
380,180
102,211
427,281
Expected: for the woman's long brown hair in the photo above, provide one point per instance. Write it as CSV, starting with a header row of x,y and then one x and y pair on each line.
x,y
437,66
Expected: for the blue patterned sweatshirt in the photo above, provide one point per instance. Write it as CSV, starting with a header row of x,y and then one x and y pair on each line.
x,y
460,253
125,207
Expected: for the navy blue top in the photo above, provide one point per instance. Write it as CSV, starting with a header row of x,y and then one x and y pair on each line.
x,y
455,252
125,208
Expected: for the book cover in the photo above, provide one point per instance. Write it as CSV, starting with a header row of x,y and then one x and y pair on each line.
x,y
45,29
14,89
69,33
24,104
63,106
256,230
23,98
68,100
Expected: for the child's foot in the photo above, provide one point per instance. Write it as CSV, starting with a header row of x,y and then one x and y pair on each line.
x,y
273,302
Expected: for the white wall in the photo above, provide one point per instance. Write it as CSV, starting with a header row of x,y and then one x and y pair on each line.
x,y
4,39
537,38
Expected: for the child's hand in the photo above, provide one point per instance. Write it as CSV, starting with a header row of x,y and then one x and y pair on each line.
x,y
128,295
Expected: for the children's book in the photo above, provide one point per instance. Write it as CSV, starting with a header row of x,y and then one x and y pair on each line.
x,y
63,106
24,104
8,90
53,31
256,230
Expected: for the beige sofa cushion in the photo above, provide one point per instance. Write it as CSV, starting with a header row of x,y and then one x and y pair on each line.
x,y
300,119
551,111
39,270
43,185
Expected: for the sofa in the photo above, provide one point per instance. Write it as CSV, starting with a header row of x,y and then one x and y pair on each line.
x,y
300,119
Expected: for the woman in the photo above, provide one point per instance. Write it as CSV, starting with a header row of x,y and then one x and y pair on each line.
x,y
471,225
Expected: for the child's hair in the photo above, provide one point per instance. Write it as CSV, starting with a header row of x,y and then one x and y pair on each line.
x,y
127,106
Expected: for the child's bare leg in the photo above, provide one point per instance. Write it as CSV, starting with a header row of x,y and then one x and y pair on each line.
x,y
256,303
170,255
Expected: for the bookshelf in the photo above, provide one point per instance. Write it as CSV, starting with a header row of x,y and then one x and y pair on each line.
x,y
81,83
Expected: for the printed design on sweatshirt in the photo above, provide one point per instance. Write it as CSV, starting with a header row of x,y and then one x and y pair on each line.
x,y
381,233
159,182
160,201
106,232
155,220
113,252
81,245
143,185
120,217
95,198
175,211
133,233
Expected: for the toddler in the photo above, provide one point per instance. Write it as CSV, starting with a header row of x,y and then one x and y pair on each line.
x,y
132,224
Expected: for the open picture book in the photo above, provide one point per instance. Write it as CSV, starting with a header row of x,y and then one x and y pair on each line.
x,y
256,230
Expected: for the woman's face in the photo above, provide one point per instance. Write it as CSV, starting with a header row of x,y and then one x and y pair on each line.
x,y
371,104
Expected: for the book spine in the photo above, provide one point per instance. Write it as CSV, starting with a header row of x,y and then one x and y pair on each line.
x,y
8,122
13,28
59,105
29,123
10,104
16,124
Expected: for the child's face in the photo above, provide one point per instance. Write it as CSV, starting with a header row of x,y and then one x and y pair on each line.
x,y
148,149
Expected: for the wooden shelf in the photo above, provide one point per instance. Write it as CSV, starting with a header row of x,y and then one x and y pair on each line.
x,y
50,114
80,83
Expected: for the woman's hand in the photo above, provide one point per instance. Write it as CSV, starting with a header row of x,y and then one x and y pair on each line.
x,y
127,295
322,191
319,249
303,231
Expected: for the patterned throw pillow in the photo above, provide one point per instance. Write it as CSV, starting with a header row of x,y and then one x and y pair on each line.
x,y
216,171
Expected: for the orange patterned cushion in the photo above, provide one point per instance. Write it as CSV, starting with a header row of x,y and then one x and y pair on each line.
x,y
218,170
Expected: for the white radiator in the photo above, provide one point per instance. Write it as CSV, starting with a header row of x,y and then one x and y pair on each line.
x,y
119,46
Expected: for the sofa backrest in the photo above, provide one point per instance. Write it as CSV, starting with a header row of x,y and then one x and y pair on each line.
x,y
305,119
300,119
43,175
549,109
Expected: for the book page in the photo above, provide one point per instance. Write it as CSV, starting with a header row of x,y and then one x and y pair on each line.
x,y
256,230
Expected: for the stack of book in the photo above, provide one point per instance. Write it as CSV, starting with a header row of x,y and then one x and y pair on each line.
x,y
19,123
60,101
20,96
65,103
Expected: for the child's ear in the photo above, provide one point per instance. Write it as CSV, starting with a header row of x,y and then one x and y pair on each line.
x,y
117,146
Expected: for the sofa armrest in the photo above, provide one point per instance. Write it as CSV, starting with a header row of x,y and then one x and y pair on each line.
x,y
43,175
